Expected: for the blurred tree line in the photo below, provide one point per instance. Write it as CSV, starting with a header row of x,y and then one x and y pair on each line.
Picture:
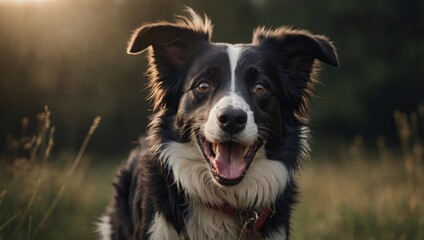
x,y
70,55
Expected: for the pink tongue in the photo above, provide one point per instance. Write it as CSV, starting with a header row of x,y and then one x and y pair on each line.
x,y
229,161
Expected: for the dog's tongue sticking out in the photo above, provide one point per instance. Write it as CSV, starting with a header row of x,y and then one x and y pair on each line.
x,y
229,161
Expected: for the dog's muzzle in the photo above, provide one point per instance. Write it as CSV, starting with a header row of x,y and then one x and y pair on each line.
x,y
229,154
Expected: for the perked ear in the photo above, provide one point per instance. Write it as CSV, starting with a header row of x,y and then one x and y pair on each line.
x,y
297,46
171,40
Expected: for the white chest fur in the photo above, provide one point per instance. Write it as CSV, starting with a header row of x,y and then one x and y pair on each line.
x,y
264,182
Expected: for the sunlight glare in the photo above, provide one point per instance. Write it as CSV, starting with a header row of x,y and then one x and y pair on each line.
x,y
24,1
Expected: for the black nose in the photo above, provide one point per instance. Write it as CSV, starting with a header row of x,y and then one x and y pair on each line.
x,y
232,120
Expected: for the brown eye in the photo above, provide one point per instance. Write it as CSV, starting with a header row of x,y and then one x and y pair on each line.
x,y
203,87
260,88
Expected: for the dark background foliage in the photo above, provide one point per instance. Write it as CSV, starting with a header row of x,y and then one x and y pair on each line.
x,y
70,55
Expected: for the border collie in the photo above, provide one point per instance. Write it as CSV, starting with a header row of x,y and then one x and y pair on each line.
x,y
227,134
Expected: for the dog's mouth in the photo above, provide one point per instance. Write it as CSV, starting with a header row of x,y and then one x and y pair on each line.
x,y
228,161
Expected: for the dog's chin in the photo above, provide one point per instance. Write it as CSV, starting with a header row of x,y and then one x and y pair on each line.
x,y
228,161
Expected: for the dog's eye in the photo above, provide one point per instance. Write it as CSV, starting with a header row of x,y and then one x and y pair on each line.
x,y
203,87
259,88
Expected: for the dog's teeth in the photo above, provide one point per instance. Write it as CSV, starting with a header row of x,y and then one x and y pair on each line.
x,y
245,150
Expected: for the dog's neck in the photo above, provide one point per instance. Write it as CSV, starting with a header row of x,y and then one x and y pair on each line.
x,y
251,220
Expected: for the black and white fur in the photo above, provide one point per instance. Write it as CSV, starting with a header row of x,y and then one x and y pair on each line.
x,y
229,127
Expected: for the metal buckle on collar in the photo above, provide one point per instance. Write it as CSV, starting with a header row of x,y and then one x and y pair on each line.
x,y
248,221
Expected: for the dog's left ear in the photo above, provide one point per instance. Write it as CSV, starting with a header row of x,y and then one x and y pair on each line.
x,y
294,52
297,47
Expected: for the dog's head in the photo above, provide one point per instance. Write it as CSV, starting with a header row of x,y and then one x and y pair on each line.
x,y
229,99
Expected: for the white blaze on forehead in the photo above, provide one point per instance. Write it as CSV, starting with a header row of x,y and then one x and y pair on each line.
x,y
234,55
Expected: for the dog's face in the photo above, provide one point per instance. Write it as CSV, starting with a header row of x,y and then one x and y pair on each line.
x,y
229,104
230,99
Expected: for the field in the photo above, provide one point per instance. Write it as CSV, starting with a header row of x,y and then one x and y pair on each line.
x,y
360,200
355,195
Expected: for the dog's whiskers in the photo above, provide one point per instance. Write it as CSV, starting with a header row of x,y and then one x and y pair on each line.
x,y
185,131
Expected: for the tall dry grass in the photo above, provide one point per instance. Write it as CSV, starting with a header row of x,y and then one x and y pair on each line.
x,y
363,194
31,187
366,195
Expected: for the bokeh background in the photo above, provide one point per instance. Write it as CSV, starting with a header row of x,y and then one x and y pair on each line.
x,y
366,174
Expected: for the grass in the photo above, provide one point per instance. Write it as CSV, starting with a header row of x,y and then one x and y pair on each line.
x,y
359,200
359,196
43,198
366,196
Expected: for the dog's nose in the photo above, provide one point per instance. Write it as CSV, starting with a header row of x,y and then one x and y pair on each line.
x,y
232,120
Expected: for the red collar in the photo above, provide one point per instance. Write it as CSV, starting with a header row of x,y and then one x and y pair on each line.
x,y
259,217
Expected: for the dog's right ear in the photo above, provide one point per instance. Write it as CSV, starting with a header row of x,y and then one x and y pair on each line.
x,y
172,43
169,41
172,47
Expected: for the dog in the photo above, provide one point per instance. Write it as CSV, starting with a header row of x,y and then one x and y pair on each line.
x,y
228,131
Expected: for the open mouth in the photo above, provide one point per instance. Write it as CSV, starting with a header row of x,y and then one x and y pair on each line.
x,y
228,161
